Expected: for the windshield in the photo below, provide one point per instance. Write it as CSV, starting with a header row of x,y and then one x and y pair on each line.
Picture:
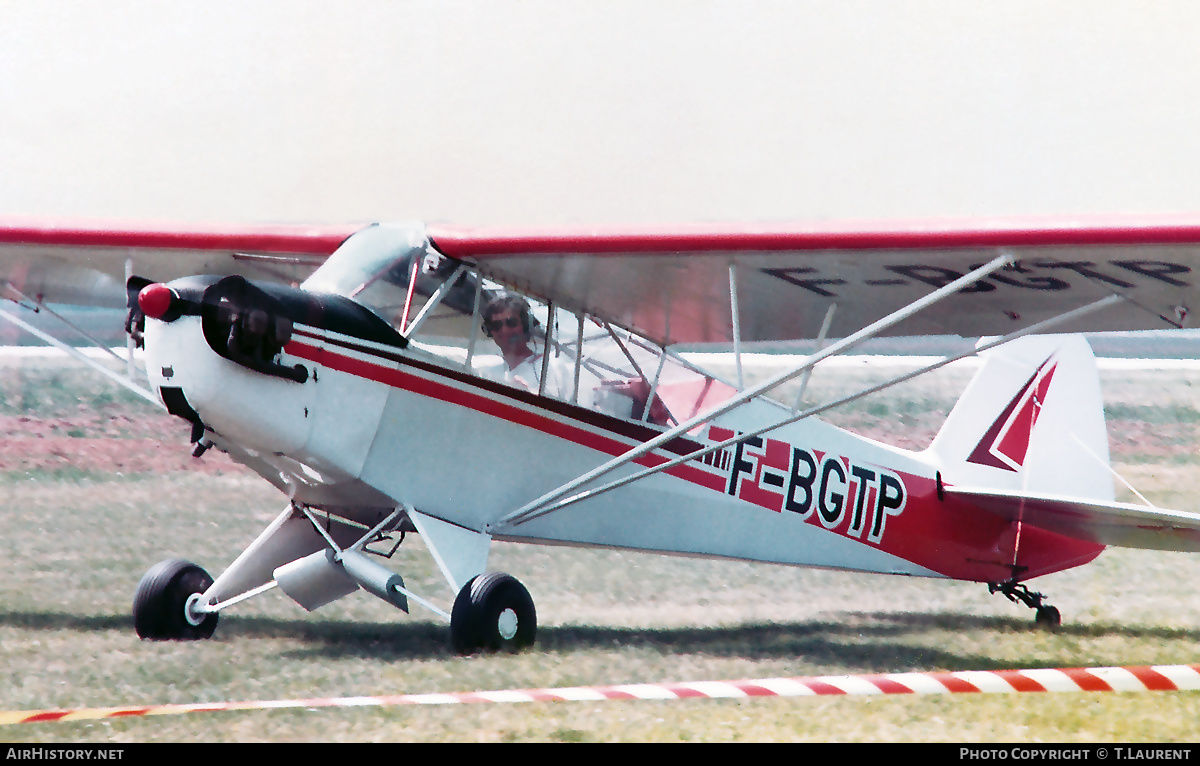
x,y
367,257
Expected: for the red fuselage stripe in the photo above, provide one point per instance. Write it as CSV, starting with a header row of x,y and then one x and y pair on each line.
x,y
488,406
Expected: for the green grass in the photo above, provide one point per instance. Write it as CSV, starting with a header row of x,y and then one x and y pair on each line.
x,y
607,617
1179,413
47,389
74,547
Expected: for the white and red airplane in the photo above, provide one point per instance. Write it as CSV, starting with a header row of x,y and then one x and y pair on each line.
x,y
472,385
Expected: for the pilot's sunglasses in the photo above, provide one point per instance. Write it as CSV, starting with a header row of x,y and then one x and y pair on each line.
x,y
496,324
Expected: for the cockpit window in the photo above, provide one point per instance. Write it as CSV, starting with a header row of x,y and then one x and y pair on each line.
x,y
367,257
454,316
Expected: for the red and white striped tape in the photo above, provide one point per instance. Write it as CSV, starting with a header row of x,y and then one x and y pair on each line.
x,y
1115,679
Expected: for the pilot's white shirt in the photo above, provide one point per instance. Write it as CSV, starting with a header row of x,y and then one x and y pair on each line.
x,y
560,377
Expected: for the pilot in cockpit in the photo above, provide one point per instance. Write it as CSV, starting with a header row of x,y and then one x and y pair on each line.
x,y
508,321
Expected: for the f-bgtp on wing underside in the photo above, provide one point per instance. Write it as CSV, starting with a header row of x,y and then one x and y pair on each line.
x,y
1121,524
673,283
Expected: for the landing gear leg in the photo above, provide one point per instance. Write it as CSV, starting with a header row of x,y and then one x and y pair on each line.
x,y
1047,616
493,612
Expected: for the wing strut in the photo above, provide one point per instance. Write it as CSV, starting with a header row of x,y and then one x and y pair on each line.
x,y
433,302
340,554
662,358
37,306
546,344
531,510
736,320
578,359
476,308
1038,327
130,343
820,344
79,355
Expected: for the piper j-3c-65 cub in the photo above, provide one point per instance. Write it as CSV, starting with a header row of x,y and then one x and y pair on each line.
x,y
378,393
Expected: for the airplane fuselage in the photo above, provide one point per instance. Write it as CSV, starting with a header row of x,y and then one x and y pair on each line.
x,y
374,425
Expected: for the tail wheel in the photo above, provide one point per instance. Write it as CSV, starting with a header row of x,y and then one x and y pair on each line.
x,y
1048,617
495,612
161,605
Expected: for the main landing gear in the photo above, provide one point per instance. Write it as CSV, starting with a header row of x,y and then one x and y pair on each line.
x,y
1047,616
494,612
162,606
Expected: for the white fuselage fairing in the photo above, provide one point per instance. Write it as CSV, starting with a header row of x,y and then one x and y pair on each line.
x,y
374,427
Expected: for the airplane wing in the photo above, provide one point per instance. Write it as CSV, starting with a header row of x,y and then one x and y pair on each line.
x,y
673,283
1121,524
84,263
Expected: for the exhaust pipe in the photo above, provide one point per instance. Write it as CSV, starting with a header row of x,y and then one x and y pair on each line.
x,y
375,578
319,578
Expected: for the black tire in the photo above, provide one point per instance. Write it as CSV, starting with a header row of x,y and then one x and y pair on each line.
x,y
493,612
160,602
1048,617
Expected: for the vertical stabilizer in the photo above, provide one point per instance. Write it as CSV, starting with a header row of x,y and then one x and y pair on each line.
x,y
1031,420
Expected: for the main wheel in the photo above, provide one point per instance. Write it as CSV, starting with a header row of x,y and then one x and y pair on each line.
x,y
493,611
160,606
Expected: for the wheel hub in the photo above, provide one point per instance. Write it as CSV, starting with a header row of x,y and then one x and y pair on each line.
x,y
193,610
507,624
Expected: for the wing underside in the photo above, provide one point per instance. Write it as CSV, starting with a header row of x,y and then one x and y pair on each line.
x,y
673,284
86,263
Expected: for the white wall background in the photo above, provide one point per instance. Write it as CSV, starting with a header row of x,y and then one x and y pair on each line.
x,y
576,111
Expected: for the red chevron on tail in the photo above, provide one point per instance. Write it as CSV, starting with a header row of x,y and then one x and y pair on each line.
x,y
1005,443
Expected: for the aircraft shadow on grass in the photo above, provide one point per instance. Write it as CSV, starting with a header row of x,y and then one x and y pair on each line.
x,y
865,642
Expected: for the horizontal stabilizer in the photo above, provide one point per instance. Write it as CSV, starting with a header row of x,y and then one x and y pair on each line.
x,y
1108,523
